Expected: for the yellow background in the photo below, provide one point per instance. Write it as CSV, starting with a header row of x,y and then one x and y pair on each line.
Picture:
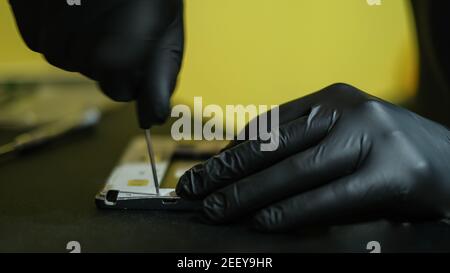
x,y
271,51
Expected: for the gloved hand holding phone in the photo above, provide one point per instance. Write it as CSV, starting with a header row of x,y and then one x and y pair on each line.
x,y
343,155
132,48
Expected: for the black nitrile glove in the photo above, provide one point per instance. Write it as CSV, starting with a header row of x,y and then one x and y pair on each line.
x,y
343,156
133,48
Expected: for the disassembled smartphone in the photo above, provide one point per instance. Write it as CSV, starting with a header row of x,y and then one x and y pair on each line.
x,y
130,186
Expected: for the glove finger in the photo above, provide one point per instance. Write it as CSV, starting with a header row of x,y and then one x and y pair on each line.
x,y
116,66
159,82
155,90
348,199
314,167
247,158
287,112
118,86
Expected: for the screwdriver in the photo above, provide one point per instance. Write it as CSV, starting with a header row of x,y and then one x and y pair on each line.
x,y
148,139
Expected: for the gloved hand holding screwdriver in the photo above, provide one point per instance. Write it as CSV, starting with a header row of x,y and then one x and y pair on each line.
x,y
343,154
132,48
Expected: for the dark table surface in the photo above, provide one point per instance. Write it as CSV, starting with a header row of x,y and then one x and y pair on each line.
x,y
47,200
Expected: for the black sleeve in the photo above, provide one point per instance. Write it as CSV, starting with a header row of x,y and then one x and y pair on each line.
x,y
62,33
50,28
28,18
432,21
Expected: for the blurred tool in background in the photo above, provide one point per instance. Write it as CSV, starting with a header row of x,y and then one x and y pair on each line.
x,y
40,111
46,133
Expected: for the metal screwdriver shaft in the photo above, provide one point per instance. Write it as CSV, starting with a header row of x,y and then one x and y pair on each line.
x,y
148,139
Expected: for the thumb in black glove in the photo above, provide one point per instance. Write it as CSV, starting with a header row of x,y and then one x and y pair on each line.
x,y
343,155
